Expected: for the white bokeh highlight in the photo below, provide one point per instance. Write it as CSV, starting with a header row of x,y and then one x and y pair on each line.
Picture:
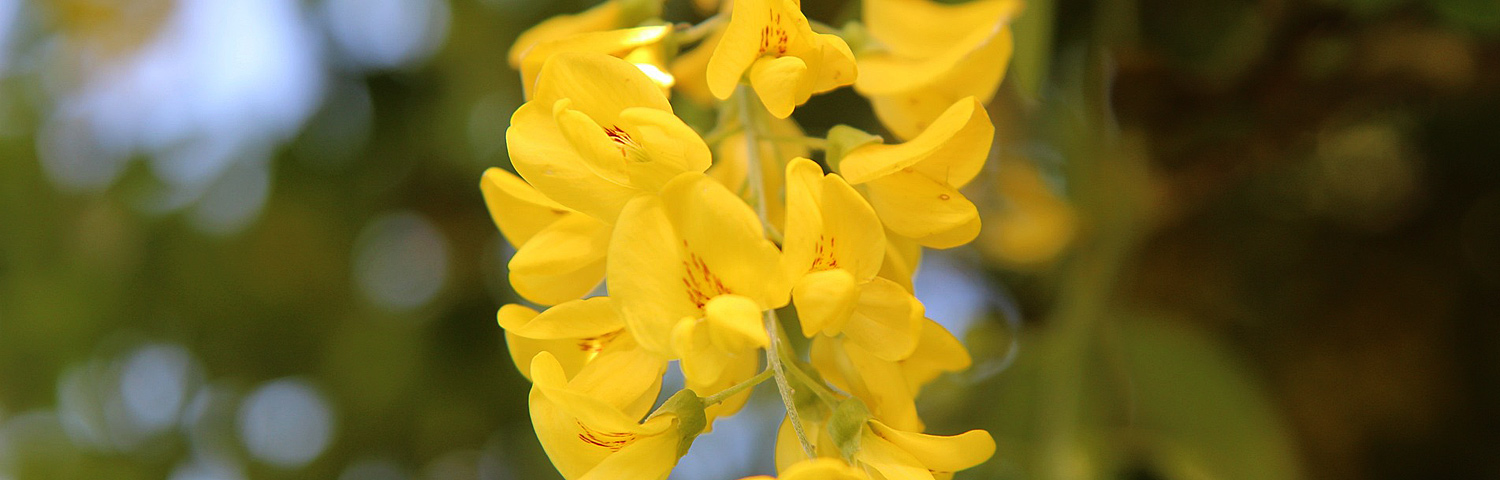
x,y
285,423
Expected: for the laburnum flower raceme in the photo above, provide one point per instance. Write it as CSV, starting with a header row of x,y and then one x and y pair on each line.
x,y
706,236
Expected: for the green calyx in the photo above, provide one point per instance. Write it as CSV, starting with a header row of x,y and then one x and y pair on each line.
x,y
688,407
846,425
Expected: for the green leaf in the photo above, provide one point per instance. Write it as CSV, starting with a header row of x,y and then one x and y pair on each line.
x,y
1201,413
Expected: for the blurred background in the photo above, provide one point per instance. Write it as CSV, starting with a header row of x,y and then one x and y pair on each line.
x,y
1223,239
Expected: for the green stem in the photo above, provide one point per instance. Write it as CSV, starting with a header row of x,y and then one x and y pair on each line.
x,y
737,388
721,132
752,123
783,387
692,33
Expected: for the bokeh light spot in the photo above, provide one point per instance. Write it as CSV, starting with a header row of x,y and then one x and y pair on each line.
x,y
401,261
286,423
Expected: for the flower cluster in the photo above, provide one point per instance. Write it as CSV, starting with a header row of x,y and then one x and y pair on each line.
x,y
705,239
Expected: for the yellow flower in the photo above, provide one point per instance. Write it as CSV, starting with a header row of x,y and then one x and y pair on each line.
x,y
889,453
598,132
914,186
574,333
934,54
640,46
833,250
692,273
786,60
889,388
589,425
609,15
1033,223
817,469
565,261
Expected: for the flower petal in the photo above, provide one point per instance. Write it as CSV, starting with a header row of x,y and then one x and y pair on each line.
x,y
857,237
546,159
937,351
951,151
577,319
726,236
887,320
670,146
647,458
598,394
940,453
599,85
891,461
615,43
825,301
601,17
915,206
735,323
645,274
564,262
781,83
517,208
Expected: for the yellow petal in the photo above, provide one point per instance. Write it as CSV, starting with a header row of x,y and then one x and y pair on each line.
x,y
739,368
937,351
739,47
723,241
578,319
565,261
548,161
517,208
835,66
857,237
599,85
804,216
645,274
781,83
902,257
627,379
951,151
822,469
882,386
957,236
917,207
617,43
595,399
940,453
561,437
595,144
569,355
702,362
924,29
887,320
907,113
601,17
735,323
670,146
825,301
648,458
567,414
890,461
